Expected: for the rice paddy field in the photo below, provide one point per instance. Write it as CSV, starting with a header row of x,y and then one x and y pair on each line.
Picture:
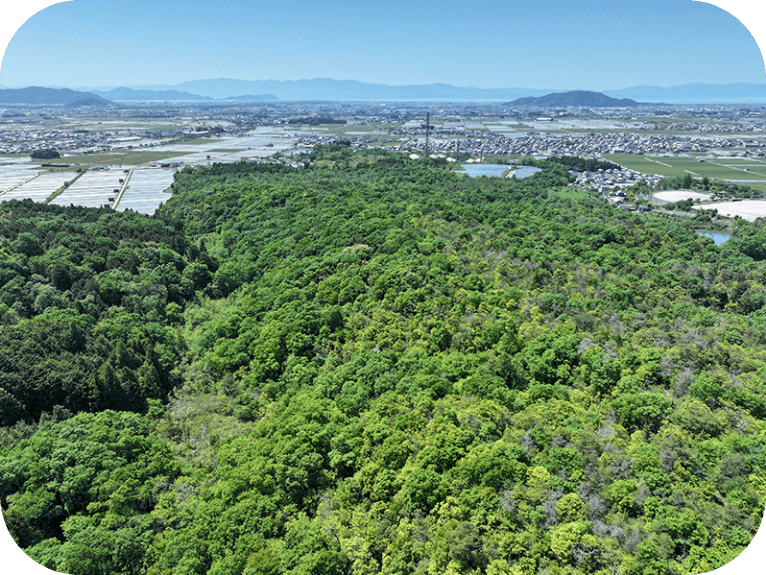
x,y
680,195
146,190
39,188
749,210
258,143
747,171
93,189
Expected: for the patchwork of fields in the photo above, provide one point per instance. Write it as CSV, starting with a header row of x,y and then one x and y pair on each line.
x,y
144,191
748,171
731,169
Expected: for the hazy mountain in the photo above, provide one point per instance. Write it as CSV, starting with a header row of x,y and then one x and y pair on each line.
x,y
576,98
37,95
741,93
252,98
97,102
128,94
328,89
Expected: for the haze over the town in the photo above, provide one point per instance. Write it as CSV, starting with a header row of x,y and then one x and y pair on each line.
x,y
552,45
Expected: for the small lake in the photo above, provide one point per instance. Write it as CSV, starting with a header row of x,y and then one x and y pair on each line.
x,y
717,237
497,170
525,172
476,170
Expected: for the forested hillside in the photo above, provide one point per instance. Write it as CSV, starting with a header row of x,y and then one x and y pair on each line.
x,y
375,365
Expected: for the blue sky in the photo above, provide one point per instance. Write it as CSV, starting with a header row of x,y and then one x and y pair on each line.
x,y
485,43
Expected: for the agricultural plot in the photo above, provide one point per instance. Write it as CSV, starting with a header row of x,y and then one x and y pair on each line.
x,y
756,169
645,165
146,190
738,162
40,188
749,210
13,175
258,143
680,166
123,158
93,189
711,170
680,195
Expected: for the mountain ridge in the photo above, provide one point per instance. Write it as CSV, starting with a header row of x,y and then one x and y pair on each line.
x,y
41,95
576,98
320,89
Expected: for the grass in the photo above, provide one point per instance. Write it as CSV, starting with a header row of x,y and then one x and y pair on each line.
x,y
712,170
127,158
737,161
677,167
202,141
644,165
572,193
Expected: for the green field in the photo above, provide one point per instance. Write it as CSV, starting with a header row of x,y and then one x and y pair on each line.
x,y
128,158
677,167
202,141
645,165
738,161
569,194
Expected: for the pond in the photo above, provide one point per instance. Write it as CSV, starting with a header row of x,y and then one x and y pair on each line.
x,y
476,170
525,172
717,237
497,170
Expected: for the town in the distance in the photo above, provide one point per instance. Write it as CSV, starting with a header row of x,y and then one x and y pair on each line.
x,y
67,147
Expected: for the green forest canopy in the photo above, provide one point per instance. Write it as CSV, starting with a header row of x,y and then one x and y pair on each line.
x,y
374,365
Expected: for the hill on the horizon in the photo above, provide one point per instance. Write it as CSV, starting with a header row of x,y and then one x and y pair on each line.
x,y
129,94
252,98
38,95
97,102
576,98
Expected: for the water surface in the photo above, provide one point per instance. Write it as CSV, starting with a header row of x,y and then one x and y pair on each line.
x,y
717,237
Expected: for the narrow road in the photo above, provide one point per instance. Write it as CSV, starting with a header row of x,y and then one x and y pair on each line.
x,y
122,189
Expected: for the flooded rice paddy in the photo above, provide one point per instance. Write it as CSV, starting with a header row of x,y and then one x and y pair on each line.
x,y
749,210
146,190
39,187
680,195
93,189
145,186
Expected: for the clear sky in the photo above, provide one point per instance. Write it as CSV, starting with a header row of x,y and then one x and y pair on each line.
x,y
594,45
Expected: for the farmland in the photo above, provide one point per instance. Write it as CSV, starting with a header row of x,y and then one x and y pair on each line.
x,y
676,166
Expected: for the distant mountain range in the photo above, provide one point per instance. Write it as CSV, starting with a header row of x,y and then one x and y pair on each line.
x,y
352,90
576,98
741,93
328,89
349,90
253,98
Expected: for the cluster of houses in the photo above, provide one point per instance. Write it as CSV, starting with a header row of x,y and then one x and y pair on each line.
x,y
606,180
576,144
16,141
706,127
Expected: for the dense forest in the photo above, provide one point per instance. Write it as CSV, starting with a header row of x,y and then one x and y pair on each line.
x,y
375,365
